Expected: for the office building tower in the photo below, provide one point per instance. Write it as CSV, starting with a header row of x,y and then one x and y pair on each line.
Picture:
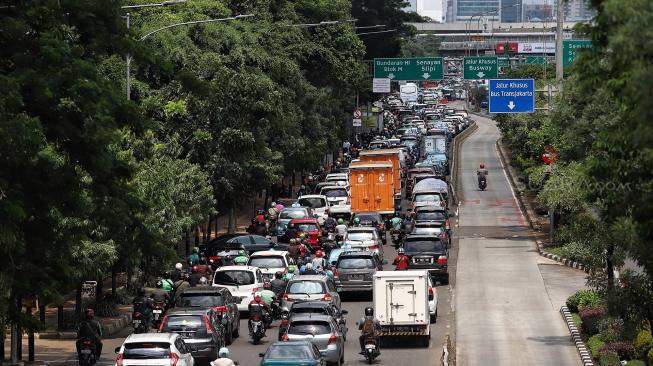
x,y
511,11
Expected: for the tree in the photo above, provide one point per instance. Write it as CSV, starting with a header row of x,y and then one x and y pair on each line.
x,y
421,46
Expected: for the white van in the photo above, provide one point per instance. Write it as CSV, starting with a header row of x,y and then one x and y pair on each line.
x,y
408,92
401,304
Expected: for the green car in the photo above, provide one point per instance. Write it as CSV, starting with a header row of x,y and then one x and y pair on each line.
x,y
296,353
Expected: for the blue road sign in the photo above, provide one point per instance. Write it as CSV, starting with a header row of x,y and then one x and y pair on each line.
x,y
512,96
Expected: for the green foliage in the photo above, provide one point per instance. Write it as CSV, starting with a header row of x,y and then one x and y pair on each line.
x,y
649,357
421,46
636,363
564,190
624,350
643,342
609,358
582,298
611,329
594,343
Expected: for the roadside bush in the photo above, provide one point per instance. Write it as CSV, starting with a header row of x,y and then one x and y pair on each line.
x,y
579,251
594,343
643,342
609,359
611,329
636,363
581,299
649,357
590,316
625,350
107,307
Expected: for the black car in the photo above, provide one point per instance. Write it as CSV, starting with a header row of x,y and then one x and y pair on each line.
x,y
200,329
434,214
430,253
253,243
372,219
218,242
220,300
314,307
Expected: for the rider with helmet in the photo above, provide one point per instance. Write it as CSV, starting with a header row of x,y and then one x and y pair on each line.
x,y
369,326
481,173
395,222
318,260
267,294
159,295
258,305
142,304
357,221
90,329
341,229
177,274
241,259
223,358
278,285
401,260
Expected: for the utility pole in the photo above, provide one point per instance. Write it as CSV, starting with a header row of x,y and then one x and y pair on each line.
x,y
128,61
560,14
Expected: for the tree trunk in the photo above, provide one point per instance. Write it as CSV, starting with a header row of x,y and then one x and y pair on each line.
x,y
609,268
2,341
231,228
30,338
99,288
78,300
60,317
114,279
187,243
205,231
209,229
197,236
130,275
41,314
267,196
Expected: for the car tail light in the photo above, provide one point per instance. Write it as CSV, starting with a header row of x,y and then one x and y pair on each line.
x,y
207,324
163,322
333,339
442,260
255,290
326,297
373,247
220,309
335,273
285,297
138,315
175,358
119,359
285,338
446,224
87,342
430,293
284,323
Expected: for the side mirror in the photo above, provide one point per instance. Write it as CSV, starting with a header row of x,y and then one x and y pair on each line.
x,y
261,354
344,312
323,353
117,350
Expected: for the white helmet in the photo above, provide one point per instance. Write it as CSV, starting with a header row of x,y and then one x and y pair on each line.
x,y
400,251
204,281
223,352
273,204
179,266
309,266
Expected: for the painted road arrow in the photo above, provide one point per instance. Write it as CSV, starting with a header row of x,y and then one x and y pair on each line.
x,y
511,105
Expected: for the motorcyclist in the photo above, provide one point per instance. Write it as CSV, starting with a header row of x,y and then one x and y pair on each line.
x,y
193,258
204,270
341,229
369,325
258,305
357,221
481,173
395,222
142,304
272,211
401,260
90,329
330,224
293,249
301,191
223,358
291,273
278,285
308,269
318,260
241,259
159,296
260,217
168,284
194,278
267,294
177,274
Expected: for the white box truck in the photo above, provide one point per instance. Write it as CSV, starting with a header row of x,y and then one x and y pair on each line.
x,y
401,304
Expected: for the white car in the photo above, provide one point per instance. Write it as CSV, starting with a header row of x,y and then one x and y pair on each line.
x,y
160,349
271,262
335,195
241,281
318,204
365,238
433,300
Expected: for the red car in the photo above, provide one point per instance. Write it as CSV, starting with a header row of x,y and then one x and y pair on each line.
x,y
311,228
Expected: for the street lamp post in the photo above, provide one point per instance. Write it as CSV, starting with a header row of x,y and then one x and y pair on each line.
x,y
128,23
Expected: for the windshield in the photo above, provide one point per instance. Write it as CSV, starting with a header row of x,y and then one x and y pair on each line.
x,y
145,350
360,236
312,202
233,278
306,227
431,197
356,263
309,327
183,322
430,216
309,311
368,218
335,193
306,287
289,352
267,262
292,214
427,231
423,246
200,300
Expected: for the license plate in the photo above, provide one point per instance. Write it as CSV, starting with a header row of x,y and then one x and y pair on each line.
x,y
370,346
157,311
136,321
423,260
356,277
86,351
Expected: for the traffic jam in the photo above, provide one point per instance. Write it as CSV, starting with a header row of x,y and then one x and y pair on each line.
x,y
356,253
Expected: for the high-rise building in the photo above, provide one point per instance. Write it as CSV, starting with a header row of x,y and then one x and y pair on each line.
x,y
511,11
466,9
436,10
538,13
578,10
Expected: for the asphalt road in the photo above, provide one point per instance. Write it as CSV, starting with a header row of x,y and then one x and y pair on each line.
x,y
507,297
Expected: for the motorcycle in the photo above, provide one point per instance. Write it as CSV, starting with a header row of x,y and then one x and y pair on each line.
x,y
87,353
139,323
157,315
482,183
371,349
256,327
396,236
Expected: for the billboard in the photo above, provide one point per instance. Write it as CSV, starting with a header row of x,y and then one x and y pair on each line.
x,y
536,47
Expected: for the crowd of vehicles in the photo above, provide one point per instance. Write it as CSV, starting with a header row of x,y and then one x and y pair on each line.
x,y
303,254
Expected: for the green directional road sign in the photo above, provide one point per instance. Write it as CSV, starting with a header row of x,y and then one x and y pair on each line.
x,y
503,61
569,49
413,69
535,60
483,67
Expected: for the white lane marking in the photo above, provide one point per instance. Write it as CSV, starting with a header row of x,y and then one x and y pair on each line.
x,y
514,197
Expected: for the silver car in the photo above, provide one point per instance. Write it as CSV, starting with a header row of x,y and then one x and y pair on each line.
x,y
365,238
354,271
310,288
320,330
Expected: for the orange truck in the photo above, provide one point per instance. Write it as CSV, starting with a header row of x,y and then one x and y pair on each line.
x,y
372,187
392,155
